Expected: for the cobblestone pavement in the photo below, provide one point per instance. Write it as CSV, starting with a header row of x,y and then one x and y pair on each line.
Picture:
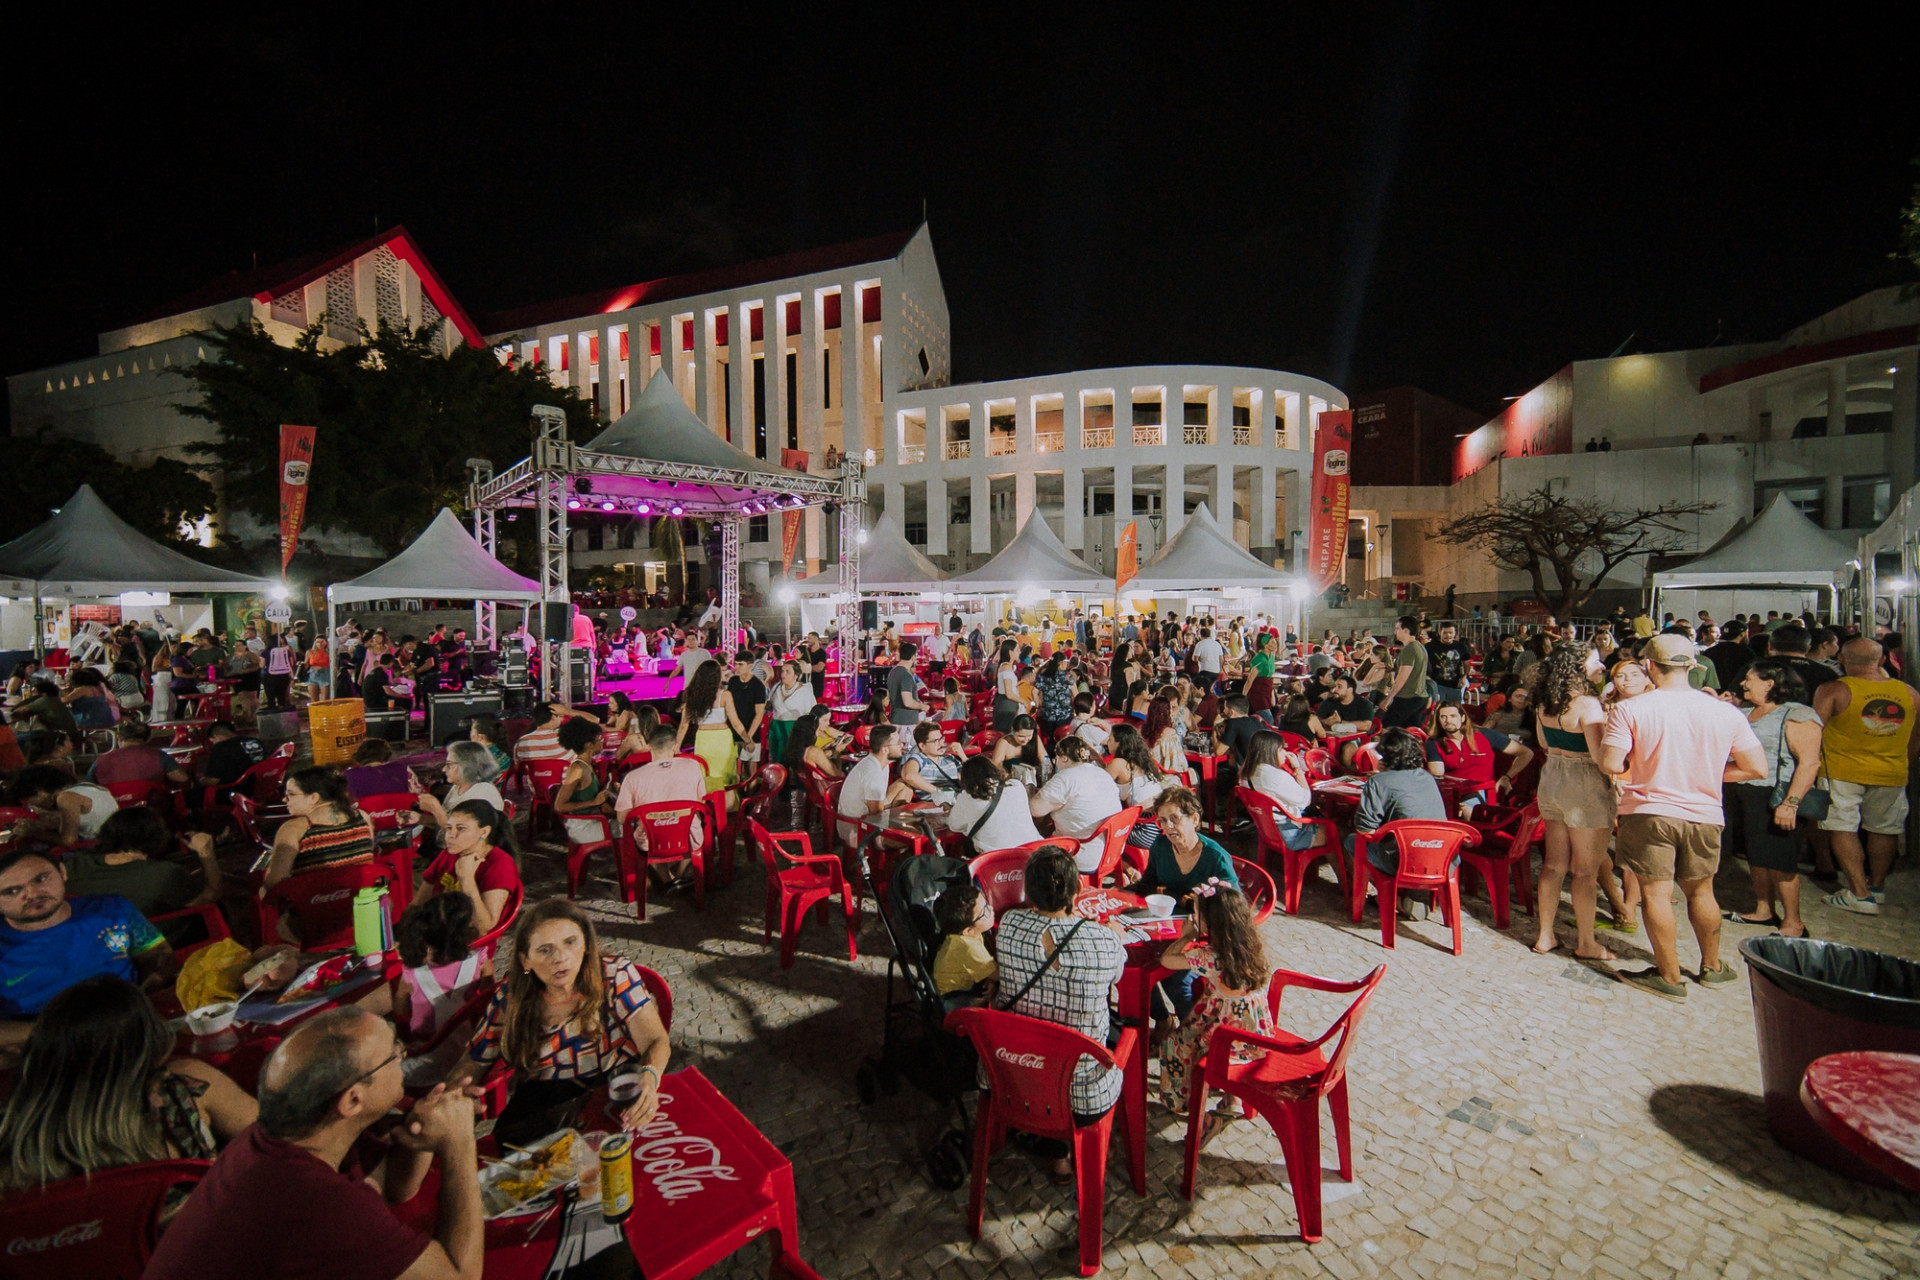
x,y
1513,1115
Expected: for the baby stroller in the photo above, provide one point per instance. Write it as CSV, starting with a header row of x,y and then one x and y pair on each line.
x,y
915,1043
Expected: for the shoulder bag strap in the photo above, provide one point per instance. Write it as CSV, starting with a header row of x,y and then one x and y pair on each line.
x,y
993,804
1041,972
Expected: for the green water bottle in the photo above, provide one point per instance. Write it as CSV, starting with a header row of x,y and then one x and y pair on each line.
x,y
368,937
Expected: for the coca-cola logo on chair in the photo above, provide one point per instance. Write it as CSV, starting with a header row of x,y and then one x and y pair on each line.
x,y
1031,1061
72,1233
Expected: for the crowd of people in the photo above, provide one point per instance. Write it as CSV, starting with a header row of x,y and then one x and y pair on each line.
x,y
1649,751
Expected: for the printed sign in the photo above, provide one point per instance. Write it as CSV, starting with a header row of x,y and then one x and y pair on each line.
x,y
1127,558
1327,530
792,460
296,461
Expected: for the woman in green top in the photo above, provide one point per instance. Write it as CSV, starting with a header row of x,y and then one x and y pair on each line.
x,y
1180,860
1259,685
579,799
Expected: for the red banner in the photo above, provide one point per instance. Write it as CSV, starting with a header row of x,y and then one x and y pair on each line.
x,y
1332,465
1126,563
296,460
792,460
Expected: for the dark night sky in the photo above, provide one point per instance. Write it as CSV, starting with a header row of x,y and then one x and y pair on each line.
x,y
1450,197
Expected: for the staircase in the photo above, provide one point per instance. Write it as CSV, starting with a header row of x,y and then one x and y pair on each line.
x,y
1375,616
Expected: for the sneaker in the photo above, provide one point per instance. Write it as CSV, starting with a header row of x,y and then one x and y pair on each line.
x,y
1649,980
1845,900
1879,896
1714,977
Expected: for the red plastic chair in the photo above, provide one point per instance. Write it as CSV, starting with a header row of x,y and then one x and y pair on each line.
x,y
799,879
757,800
863,737
1512,867
953,730
543,781
1002,877
103,1226
1114,831
321,904
670,838
152,795
982,741
1295,742
1030,1065
209,915
253,822
1266,814
1319,763
580,851
1284,1087
1427,862
1258,887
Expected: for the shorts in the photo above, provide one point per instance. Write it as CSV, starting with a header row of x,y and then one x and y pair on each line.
x,y
1404,712
1766,847
1576,794
1656,847
1855,806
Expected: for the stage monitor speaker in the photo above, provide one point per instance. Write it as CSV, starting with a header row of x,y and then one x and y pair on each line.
x,y
389,725
450,715
559,621
869,615
485,663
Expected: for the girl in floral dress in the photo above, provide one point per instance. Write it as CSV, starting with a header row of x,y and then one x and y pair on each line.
x,y
1228,954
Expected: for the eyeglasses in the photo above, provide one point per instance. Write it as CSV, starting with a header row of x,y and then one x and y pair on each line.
x,y
399,1052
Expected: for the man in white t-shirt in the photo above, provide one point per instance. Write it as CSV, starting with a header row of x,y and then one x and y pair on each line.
x,y
868,789
1208,654
1080,797
1095,733
690,659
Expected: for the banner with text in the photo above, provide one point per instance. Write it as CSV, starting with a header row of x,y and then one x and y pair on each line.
x,y
790,521
1332,464
296,461
1126,564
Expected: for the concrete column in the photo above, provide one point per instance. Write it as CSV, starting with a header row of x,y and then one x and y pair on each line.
x,y
702,358
1297,491
939,516
739,378
1173,492
1074,496
853,360
807,341
1836,493
1904,440
1383,544
982,509
1223,487
1024,486
1023,426
1260,510
1837,399
774,325
610,372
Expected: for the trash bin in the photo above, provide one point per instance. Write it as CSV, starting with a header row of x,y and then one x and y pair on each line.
x,y
1814,998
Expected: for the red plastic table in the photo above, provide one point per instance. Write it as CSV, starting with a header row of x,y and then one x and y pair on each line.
x,y
1209,768
1135,989
1870,1103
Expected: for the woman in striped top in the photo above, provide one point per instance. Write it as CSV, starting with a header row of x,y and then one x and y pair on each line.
x,y
326,830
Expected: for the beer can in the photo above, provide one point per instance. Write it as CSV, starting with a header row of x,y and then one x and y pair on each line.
x,y
616,1177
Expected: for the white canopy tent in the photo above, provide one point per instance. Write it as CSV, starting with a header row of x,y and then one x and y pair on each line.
x,y
86,552
1201,557
888,562
1035,559
443,563
1780,549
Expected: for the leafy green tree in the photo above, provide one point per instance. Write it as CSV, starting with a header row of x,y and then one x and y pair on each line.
x,y
1909,251
43,471
397,421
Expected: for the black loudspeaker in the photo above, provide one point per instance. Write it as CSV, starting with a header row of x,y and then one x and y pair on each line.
x,y
450,715
559,621
391,725
869,615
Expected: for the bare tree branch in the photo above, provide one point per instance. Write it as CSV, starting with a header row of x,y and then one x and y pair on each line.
x,y
1540,531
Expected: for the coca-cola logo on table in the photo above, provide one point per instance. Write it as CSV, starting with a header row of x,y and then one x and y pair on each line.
x,y
680,1164
1032,1061
71,1234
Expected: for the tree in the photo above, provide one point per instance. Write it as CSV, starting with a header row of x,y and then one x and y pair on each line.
x,y
160,500
397,422
1909,250
1580,540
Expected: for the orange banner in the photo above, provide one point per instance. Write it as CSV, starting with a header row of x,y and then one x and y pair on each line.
x,y
1126,565
792,460
296,460
1332,465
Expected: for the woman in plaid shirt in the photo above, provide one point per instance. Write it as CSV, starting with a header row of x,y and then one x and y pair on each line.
x,y
1078,962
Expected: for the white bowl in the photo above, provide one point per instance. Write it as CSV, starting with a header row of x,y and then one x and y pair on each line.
x,y
1160,905
212,1019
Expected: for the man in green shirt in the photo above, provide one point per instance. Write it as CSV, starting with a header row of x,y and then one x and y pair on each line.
x,y
1406,700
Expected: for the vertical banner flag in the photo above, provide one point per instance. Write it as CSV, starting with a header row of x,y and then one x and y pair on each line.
x,y
1327,535
296,460
792,460
1126,564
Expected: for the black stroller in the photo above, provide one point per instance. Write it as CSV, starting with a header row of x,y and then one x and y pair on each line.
x,y
915,1043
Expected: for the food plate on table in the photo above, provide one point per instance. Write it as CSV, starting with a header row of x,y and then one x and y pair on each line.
x,y
524,1182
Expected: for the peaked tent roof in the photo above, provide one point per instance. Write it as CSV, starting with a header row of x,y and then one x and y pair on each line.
x,y
1202,557
1035,558
660,428
1781,547
888,562
444,563
606,301
86,550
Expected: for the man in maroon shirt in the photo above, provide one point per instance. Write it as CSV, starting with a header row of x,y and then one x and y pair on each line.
x,y
288,1197
135,759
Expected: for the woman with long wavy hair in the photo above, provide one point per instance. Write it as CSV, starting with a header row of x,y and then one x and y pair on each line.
x,y
98,1089
1162,738
1576,799
567,1017
704,715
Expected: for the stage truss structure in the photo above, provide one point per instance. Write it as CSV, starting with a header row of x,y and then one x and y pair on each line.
x,y
552,480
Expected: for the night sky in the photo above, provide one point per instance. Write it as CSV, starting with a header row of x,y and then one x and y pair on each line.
x,y
1452,197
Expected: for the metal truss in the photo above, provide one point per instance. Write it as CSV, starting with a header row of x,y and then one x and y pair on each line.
x,y
729,585
514,486
853,504
479,474
552,453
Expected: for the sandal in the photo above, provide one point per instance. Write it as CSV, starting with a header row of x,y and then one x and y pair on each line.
x,y
1771,922
1215,1124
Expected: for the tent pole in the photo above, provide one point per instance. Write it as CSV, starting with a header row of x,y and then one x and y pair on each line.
x,y
332,640
39,626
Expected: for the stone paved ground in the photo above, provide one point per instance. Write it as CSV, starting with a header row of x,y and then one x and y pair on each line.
x,y
1513,1115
